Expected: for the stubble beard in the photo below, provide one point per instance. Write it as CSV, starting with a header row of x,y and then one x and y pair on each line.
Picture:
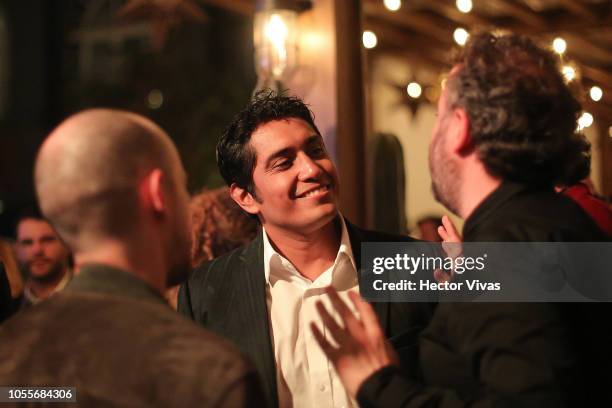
x,y
56,271
445,176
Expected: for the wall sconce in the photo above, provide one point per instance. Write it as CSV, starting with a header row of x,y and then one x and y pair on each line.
x,y
275,34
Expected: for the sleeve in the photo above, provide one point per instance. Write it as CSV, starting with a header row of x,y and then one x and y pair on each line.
x,y
516,355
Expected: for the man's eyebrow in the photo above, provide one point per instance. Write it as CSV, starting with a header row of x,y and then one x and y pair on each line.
x,y
281,153
314,139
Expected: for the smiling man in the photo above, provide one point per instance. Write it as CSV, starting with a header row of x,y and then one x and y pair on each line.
x,y
262,295
42,256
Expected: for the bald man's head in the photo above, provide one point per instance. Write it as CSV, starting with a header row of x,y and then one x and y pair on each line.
x,y
89,168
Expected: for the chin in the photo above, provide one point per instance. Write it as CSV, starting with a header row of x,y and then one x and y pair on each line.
x,y
322,218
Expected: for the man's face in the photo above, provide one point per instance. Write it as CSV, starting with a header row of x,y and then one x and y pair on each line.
x,y
296,185
40,252
442,166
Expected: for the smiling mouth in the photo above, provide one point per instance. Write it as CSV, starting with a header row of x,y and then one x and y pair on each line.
x,y
316,192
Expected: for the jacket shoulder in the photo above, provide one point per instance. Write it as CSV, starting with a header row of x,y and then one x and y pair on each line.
x,y
214,280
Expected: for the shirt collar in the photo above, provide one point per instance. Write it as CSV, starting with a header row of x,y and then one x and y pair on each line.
x,y
272,257
33,299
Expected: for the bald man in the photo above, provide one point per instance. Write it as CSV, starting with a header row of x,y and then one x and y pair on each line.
x,y
113,185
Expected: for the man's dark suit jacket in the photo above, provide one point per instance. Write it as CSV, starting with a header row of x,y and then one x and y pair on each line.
x,y
113,338
504,354
228,296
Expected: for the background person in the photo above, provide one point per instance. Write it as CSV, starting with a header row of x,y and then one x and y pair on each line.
x,y
43,257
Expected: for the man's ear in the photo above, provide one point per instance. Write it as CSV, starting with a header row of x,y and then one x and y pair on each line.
x,y
244,199
152,191
462,141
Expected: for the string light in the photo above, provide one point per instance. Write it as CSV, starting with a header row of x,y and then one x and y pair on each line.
x,y
559,45
596,93
585,120
369,39
393,5
461,36
569,73
464,6
414,90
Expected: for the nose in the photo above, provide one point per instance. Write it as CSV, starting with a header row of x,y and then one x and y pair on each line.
x,y
309,169
37,248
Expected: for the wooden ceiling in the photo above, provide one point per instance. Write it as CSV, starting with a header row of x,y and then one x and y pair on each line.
x,y
421,31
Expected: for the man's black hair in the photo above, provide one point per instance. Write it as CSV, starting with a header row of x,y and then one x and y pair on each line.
x,y
235,157
522,113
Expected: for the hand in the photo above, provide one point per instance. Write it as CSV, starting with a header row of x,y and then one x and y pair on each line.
x,y
448,232
362,348
451,243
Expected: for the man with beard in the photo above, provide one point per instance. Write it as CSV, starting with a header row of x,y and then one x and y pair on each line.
x,y
42,256
504,137
113,185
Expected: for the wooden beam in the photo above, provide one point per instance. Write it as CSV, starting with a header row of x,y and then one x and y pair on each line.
x,y
446,9
351,138
411,20
596,75
579,8
404,41
520,13
571,23
579,46
419,59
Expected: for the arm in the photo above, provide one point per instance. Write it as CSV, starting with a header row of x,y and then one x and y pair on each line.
x,y
514,350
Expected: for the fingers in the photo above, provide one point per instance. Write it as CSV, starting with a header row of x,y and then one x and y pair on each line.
x,y
348,318
325,345
450,232
442,276
367,314
442,233
334,329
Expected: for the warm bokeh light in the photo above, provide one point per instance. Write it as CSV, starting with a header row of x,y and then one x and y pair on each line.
x,y
414,90
276,31
155,99
393,5
559,45
585,120
461,36
464,6
369,39
569,73
596,93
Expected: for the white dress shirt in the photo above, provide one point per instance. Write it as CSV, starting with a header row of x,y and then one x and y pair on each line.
x,y
305,377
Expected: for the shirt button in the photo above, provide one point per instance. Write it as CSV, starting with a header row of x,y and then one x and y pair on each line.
x,y
322,387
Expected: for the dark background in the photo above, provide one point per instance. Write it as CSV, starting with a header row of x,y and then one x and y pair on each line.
x,y
204,72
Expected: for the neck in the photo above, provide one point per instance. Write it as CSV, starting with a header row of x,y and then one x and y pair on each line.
x,y
476,185
42,289
145,262
311,253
